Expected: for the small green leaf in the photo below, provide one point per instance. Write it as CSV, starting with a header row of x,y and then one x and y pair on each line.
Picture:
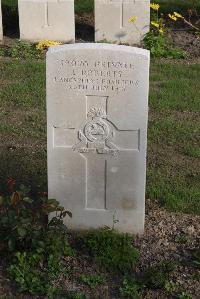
x,y
28,199
1,200
11,244
53,201
21,231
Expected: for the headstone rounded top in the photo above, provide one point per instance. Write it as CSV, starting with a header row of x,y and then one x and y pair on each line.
x,y
98,46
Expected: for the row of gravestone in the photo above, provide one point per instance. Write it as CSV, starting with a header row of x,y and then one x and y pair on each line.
x,y
55,20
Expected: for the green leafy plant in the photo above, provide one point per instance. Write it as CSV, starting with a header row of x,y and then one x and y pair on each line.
x,y
35,244
131,289
24,50
184,295
24,221
24,271
182,239
160,46
3,51
35,272
110,249
157,39
92,280
75,295
170,287
157,276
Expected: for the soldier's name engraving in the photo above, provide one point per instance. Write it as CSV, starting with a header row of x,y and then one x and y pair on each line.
x,y
96,75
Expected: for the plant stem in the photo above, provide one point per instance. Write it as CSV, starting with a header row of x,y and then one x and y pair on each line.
x,y
191,25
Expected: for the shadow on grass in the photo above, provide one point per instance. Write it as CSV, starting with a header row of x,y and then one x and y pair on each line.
x,y
28,166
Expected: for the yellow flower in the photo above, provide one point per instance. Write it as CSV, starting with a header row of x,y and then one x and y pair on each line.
x,y
161,31
178,15
45,44
132,19
154,24
155,6
174,18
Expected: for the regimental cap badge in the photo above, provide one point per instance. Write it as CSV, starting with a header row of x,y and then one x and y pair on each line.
x,y
97,112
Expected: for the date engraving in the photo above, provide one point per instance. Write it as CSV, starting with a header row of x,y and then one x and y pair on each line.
x,y
97,75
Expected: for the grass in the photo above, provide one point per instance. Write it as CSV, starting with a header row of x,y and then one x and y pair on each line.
x,y
26,82
84,6
109,249
175,87
23,122
10,3
173,142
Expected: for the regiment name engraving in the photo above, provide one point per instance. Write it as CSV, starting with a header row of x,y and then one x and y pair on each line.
x,y
96,75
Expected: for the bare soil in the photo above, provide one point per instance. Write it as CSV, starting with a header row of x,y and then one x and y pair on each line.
x,y
187,41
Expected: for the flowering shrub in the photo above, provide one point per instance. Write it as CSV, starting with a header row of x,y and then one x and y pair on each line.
x,y
157,39
157,24
175,16
45,44
25,50
23,219
34,244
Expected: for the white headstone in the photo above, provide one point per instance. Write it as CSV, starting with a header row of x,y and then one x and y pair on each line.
x,y
1,26
46,19
112,20
97,106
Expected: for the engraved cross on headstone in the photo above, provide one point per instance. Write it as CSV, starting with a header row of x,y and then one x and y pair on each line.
x,y
46,11
123,21
98,140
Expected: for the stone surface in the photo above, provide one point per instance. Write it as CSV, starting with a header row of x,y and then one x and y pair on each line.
x,y
47,19
97,106
1,25
111,20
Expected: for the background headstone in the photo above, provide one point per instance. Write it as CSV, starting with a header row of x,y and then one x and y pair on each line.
x,y
1,25
47,19
111,20
97,106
